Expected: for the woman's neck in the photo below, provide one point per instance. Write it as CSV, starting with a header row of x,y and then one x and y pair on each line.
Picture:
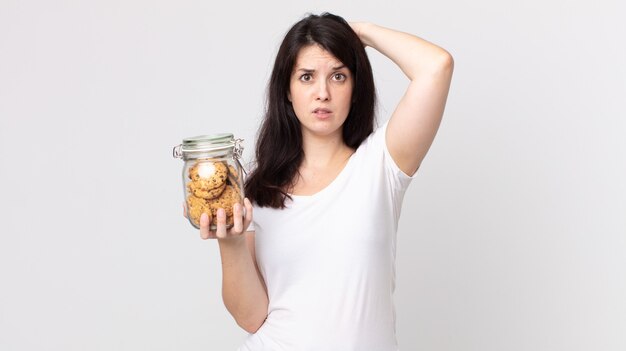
x,y
324,158
324,152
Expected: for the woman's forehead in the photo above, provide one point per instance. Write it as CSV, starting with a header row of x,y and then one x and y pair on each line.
x,y
312,56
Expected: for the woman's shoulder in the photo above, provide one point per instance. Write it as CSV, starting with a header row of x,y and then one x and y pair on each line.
x,y
376,140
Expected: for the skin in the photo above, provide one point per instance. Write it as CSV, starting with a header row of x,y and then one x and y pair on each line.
x,y
320,91
410,133
321,95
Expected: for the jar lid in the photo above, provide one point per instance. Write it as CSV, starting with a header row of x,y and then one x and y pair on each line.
x,y
208,143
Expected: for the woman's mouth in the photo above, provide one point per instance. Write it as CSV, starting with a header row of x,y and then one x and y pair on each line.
x,y
322,112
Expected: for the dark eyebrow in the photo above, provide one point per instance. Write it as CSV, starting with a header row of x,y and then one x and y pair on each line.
x,y
309,70
305,70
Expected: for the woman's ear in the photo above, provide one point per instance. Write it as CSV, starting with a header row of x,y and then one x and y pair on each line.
x,y
289,96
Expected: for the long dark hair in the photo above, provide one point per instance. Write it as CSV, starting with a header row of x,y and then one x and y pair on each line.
x,y
279,143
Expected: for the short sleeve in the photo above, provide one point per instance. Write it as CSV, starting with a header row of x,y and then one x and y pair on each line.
x,y
399,180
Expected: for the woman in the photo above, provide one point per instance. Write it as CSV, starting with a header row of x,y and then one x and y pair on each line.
x,y
315,271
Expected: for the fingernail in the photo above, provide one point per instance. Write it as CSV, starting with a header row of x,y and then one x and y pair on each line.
x,y
221,213
204,219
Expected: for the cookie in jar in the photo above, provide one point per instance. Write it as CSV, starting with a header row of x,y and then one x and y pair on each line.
x,y
212,176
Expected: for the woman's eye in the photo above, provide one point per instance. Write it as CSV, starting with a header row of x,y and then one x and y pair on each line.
x,y
305,77
340,77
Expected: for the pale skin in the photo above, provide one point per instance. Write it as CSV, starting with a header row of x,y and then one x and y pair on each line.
x,y
320,91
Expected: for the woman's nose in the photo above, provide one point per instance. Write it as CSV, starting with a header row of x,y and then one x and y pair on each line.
x,y
322,92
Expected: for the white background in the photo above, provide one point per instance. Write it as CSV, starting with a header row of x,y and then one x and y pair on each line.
x,y
513,235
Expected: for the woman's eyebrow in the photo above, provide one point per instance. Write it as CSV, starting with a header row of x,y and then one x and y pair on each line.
x,y
311,70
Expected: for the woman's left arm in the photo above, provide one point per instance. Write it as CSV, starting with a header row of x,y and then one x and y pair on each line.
x,y
415,121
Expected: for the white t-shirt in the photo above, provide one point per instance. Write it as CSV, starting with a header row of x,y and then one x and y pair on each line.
x,y
328,260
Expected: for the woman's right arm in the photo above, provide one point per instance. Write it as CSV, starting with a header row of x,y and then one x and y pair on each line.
x,y
243,289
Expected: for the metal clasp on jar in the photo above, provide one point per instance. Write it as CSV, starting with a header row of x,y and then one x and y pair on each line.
x,y
238,153
177,152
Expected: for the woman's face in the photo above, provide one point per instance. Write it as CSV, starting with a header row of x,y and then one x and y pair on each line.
x,y
320,91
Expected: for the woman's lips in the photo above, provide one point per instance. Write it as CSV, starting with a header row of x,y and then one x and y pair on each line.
x,y
322,112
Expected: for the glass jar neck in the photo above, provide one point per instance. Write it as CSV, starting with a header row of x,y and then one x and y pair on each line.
x,y
202,154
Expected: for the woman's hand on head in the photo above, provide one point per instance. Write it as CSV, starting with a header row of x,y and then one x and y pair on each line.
x,y
360,28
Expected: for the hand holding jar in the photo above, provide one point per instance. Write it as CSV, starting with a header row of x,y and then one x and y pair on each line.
x,y
242,217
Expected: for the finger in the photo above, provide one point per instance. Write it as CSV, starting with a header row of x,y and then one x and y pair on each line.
x,y
184,209
248,214
204,226
221,223
237,219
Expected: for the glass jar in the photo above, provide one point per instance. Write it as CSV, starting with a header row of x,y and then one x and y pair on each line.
x,y
212,176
